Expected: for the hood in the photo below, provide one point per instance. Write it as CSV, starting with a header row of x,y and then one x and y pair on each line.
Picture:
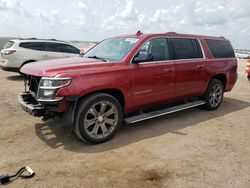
x,y
53,67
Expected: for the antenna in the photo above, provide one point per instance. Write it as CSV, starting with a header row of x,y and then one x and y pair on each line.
x,y
139,33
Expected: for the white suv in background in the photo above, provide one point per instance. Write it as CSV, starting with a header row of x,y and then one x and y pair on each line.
x,y
18,52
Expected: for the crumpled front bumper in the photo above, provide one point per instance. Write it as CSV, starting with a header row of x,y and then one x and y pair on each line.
x,y
30,105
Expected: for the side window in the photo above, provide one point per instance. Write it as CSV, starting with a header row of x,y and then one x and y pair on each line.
x,y
9,44
65,48
73,50
62,48
186,48
46,46
157,49
50,47
32,45
220,48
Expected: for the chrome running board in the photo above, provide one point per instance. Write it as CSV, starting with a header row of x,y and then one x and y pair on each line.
x,y
162,112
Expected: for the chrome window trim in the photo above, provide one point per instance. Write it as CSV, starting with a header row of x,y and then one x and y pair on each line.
x,y
202,50
176,60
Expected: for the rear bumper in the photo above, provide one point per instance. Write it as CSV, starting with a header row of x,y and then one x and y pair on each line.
x,y
30,105
7,66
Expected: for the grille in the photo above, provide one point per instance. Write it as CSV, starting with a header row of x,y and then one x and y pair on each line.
x,y
33,83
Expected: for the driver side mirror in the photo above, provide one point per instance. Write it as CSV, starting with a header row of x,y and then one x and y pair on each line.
x,y
143,57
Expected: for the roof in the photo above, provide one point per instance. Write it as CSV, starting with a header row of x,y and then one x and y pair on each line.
x,y
37,40
171,34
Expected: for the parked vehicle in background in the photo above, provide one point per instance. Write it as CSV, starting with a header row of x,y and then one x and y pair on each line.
x,y
19,52
131,78
242,56
248,69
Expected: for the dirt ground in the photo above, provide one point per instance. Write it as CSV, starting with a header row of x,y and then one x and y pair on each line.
x,y
193,148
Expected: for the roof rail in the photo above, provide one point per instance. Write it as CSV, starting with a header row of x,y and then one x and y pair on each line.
x,y
222,37
33,38
171,32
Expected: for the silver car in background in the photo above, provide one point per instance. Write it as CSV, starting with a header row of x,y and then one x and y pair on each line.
x,y
19,52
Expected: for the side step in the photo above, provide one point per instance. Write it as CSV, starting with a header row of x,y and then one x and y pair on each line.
x,y
165,111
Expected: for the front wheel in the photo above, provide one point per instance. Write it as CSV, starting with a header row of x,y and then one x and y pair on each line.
x,y
214,94
98,118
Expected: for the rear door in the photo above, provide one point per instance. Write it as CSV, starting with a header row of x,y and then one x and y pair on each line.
x,y
189,69
30,50
50,51
59,50
67,50
153,81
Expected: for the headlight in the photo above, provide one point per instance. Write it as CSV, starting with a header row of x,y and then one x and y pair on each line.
x,y
54,83
49,86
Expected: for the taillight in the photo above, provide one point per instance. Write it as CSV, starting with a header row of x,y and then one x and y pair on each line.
x,y
8,52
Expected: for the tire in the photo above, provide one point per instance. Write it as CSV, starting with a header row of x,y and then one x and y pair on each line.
x,y
98,118
248,78
214,94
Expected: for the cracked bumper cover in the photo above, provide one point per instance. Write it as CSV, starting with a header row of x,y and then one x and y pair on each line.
x,y
30,105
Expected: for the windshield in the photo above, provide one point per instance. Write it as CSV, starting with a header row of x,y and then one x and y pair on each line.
x,y
113,49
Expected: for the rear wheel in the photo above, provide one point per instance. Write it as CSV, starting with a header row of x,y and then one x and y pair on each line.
x,y
98,118
214,94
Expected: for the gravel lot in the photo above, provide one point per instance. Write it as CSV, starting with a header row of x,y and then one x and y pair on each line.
x,y
193,148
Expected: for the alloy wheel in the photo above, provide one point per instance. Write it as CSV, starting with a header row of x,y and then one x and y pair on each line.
x,y
215,95
101,119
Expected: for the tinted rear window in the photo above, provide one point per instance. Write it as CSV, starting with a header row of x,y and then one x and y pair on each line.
x,y
50,47
65,48
220,48
8,45
186,48
32,45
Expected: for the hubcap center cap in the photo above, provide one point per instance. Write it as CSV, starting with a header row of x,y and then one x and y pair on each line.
x,y
100,119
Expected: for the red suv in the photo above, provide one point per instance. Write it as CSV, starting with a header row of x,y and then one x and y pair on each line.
x,y
130,78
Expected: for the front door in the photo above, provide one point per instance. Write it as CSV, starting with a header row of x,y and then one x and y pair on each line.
x,y
153,80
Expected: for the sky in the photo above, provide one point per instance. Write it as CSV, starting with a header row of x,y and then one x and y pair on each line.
x,y
94,20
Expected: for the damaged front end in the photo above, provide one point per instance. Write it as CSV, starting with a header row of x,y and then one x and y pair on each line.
x,y
39,98
30,105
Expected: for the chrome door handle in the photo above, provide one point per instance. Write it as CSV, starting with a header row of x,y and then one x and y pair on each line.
x,y
169,69
200,66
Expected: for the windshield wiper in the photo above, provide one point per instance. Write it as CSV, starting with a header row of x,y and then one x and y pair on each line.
x,y
95,57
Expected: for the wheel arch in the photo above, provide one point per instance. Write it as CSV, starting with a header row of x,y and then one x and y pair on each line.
x,y
28,61
116,93
222,77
